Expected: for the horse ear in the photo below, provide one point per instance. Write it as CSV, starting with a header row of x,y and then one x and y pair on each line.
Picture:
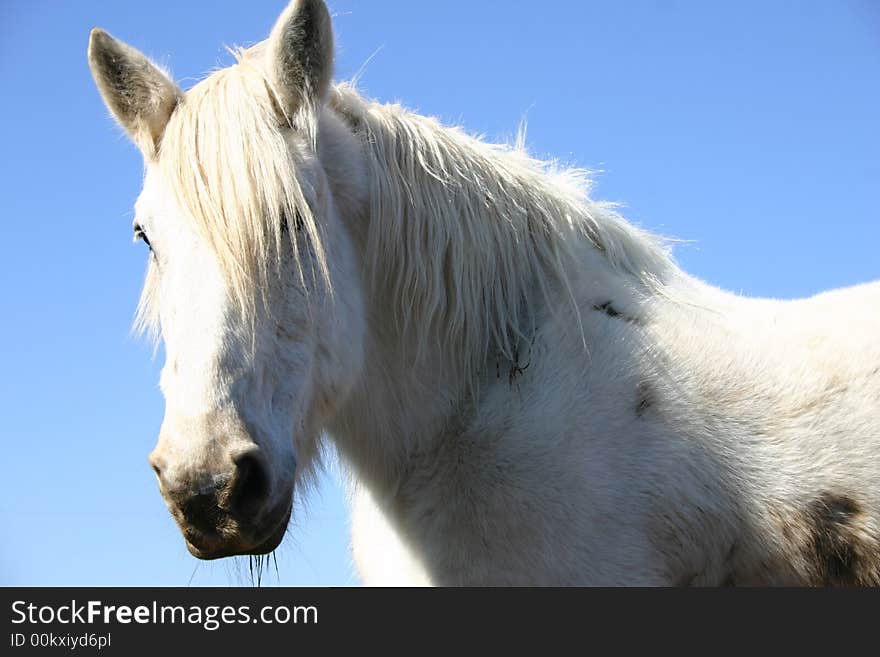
x,y
136,91
300,52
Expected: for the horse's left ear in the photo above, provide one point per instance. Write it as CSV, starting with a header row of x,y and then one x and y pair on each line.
x,y
300,52
137,92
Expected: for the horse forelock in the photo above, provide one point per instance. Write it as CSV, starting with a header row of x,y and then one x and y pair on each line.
x,y
226,157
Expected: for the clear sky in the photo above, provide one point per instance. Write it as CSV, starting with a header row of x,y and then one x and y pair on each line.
x,y
750,129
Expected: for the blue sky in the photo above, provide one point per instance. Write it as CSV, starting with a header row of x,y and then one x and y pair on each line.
x,y
749,129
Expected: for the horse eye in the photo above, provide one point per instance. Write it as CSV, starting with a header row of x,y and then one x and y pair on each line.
x,y
286,223
139,234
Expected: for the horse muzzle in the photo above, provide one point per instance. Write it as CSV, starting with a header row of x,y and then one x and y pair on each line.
x,y
228,510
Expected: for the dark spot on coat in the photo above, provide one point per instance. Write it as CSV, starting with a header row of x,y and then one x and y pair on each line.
x,y
607,308
517,367
730,565
644,398
838,550
686,580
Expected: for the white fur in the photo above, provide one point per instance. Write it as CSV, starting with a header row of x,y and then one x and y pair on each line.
x,y
526,388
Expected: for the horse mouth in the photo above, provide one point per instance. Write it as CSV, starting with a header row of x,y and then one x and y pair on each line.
x,y
215,546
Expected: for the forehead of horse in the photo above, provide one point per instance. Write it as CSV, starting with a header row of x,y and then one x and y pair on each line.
x,y
154,198
231,168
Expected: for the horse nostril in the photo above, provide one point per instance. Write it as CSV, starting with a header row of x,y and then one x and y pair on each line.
x,y
156,464
249,488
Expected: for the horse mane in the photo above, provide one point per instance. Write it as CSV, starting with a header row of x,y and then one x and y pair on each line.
x,y
463,234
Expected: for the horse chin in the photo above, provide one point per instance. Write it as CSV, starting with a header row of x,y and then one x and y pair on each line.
x,y
213,547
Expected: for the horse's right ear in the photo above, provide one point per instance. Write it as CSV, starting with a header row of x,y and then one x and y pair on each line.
x,y
136,91
300,54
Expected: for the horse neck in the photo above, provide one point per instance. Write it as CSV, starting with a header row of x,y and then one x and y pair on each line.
x,y
418,375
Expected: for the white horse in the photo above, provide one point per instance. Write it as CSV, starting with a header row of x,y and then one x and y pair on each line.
x,y
526,388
